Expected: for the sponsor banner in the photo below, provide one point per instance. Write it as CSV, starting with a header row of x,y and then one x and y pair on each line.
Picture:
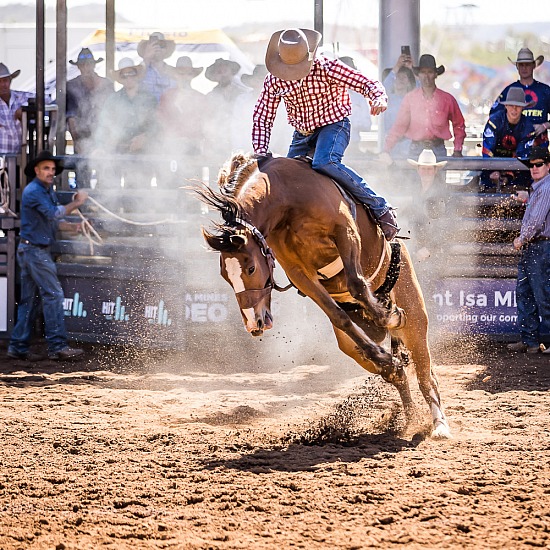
x,y
118,310
476,306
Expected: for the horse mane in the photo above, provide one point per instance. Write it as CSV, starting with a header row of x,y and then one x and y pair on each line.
x,y
234,173
230,210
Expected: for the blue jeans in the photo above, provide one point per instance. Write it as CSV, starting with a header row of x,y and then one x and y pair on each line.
x,y
39,282
328,144
533,291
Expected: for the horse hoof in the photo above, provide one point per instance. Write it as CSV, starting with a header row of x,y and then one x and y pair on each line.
x,y
396,319
441,430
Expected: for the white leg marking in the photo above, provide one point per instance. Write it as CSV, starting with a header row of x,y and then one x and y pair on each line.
x,y
441,427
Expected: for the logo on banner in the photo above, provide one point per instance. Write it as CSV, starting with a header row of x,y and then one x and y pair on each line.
x,y
158,315
73,307
206,307
115,311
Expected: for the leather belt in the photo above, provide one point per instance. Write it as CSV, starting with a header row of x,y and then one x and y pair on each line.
x,y
305,132
25,241
426,143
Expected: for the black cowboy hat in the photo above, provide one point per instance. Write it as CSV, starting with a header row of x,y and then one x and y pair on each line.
x,y
84,56
537,152
427,61
41,157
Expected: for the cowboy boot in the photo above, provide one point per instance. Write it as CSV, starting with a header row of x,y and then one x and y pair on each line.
x,y
388,224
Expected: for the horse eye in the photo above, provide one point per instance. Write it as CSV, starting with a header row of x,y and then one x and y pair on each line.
x,y
251,269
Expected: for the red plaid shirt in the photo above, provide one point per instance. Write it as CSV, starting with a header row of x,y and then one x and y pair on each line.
x,y
319,99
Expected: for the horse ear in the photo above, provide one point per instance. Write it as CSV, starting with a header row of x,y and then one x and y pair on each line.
x,y
238,240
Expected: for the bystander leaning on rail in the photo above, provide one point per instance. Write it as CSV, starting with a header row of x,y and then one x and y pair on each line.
x,y
533,284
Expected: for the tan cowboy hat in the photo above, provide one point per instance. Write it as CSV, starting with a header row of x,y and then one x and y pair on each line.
x,y
167,45
84,56
525,55
212,73
5,72
258,75
123,65
290,53
41,157
427,61
427,158
516,96
184,66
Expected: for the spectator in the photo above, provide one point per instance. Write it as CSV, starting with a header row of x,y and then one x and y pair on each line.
x,y
40,219
536,92
228,86
532,287
158,76
127,120
86,94
360,112
181,110
399,81
425,114
430,206
508,133
127,123
314,90
221,107
11,101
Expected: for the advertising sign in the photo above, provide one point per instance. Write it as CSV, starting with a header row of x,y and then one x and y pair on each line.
x,y
476,306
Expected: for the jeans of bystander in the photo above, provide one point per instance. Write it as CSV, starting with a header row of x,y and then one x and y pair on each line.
x,y
39,282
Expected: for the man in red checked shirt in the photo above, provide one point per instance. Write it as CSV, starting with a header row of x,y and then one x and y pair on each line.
x,y
315,92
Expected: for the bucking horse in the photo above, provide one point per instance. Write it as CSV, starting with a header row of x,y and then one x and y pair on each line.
x,y
331,251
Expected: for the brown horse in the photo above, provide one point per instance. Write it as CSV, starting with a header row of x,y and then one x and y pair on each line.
x,y
280,207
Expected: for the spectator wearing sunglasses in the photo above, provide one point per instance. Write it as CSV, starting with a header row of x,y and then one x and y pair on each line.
x,y
533,283
128,121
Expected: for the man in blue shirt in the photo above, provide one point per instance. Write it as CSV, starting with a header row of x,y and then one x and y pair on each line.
x,y
41,216
509,134
536,93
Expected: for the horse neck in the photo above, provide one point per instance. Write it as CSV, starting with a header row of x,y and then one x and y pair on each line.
x,y
260,203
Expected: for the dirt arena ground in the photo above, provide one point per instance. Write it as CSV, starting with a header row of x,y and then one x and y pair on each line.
x,y
130,451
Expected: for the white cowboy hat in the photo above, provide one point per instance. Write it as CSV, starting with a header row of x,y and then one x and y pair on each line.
x,y
290,53
427,158
123,65
525,55
184,66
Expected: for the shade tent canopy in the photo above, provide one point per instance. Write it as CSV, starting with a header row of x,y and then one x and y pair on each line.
x,y
203,47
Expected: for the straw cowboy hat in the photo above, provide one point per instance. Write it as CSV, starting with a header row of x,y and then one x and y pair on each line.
x,y
41,157
427,158
213,72
427,61
257,76
516,96
123,65
167,45
184,66
5,72
525,55
290,53
537,152
84,56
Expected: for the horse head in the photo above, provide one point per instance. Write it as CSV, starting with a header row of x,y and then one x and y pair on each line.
x,y
246,264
